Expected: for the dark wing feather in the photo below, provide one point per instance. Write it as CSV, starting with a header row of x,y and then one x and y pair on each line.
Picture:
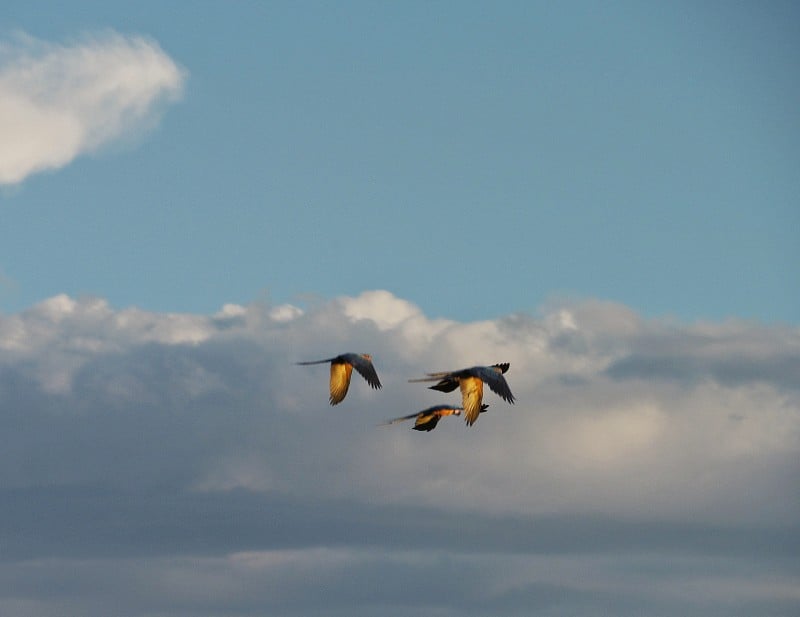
x,y
426,422
497,383
367,371
445,385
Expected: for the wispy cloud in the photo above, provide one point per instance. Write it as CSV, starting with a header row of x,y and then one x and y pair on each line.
x,y
58,101
193,447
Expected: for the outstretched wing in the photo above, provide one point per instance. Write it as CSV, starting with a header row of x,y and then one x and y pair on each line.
x,y
447,384
340,380
366,370
471,398
426,421
497,383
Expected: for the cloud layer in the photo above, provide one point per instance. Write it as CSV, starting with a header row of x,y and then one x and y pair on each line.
x,y
193,456
60,101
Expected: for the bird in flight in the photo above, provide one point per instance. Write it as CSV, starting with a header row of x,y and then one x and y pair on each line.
x,y
471,381
342,367
427,419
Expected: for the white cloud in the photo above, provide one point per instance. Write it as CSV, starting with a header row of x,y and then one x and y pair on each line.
x,y
205,436
60,101
380,307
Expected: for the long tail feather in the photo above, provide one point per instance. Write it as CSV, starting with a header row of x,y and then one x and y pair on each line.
x,y
401,419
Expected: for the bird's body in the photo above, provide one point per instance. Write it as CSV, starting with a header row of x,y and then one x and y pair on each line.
x,y
427,419
342,368
471,381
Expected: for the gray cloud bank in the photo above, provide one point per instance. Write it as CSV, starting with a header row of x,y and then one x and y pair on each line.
x,y
174,464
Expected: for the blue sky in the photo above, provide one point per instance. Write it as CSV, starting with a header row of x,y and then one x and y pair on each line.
x,y
196,196
475,159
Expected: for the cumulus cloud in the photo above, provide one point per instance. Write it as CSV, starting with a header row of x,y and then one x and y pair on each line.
x,y
60,101
193,448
